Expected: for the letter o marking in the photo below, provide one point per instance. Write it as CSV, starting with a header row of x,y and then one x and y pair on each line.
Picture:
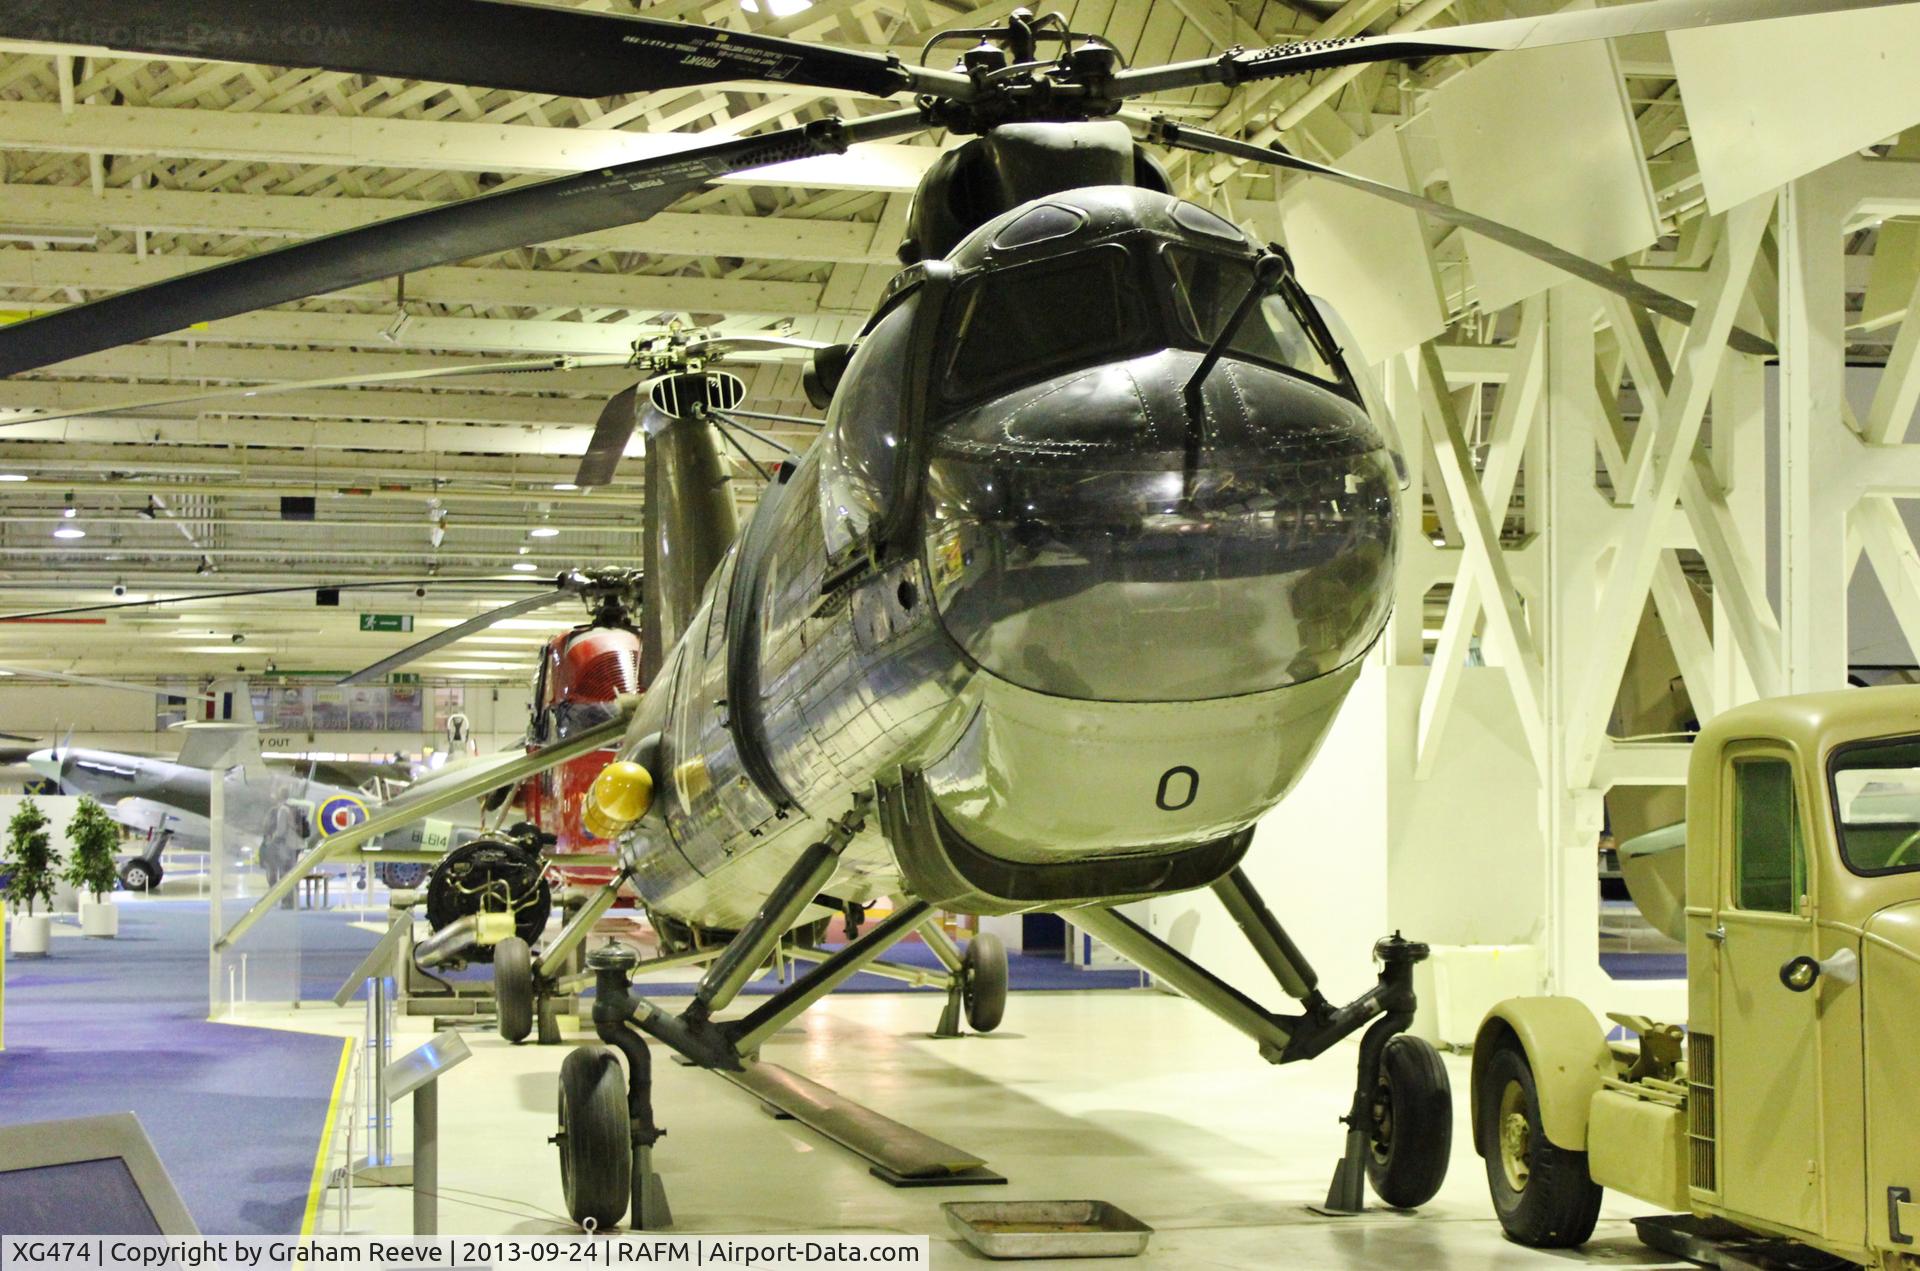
x,y
1169,797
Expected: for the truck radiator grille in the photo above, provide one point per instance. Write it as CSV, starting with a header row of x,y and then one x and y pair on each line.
x,y
1701,1110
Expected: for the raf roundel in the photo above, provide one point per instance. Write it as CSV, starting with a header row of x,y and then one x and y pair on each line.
x,y
341,812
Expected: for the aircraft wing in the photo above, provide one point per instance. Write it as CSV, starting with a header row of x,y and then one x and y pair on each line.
x,y
447,788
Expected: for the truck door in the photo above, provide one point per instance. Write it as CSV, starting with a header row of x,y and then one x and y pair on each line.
x,y
1768,1045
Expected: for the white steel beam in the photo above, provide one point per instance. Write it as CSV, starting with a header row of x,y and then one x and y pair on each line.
x,y
1513,421
1643,534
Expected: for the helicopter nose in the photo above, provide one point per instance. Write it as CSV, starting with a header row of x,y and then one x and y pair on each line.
x,y
45,763
1080,544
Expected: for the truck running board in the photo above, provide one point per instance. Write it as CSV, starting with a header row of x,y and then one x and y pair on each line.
x,y
1715,1242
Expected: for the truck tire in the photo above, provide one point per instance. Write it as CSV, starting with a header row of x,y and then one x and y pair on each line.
x,y
1543,1195
1411,1138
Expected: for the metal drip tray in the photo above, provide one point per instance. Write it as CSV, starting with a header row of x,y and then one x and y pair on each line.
x,y
1048,1228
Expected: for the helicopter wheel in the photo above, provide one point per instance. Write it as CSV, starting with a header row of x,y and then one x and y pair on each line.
x,y
985,967
595,1138
1411,1137
513,987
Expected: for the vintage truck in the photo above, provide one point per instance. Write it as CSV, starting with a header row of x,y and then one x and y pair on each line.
x,y
1787,1110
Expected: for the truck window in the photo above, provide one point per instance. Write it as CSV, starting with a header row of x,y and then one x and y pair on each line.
x,y
1769,860
1876,804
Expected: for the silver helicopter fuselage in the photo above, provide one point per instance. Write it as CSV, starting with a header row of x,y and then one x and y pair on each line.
x,y
1078,622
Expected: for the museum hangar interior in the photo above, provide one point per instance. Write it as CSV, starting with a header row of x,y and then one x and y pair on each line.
x,y
531,539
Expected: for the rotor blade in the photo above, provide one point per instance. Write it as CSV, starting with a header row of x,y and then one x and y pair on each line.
x,y
151,690
611,433
526,48
509,218
726,345
441,639
1504,35
1166,132
514,366
271,591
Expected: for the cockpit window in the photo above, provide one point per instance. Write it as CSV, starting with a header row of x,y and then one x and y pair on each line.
x,y
1019,323
1210,287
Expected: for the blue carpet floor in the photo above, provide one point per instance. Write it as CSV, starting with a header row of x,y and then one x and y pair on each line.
x,y
120,1025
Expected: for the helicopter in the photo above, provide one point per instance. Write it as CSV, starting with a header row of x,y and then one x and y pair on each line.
x,y
1065,596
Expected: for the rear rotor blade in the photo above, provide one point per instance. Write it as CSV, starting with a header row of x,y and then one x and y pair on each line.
x,y
560,208
1166,132
526,48
611,432
423,647
1504,35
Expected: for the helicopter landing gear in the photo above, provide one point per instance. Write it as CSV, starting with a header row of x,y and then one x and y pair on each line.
x,y
1400,1124
976,985
596,1159
607,1133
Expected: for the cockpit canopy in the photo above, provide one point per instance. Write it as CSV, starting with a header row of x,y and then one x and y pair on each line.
x,y
1106,274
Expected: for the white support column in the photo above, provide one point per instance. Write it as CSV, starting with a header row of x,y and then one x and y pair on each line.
x,y
1813,506
1580,527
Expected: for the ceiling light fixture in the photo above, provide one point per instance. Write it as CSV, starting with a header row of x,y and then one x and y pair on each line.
x,y
777,8
558,485
524,567
69,531
543,531
21,476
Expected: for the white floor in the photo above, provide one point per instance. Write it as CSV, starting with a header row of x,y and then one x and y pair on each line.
x,y
1136,1098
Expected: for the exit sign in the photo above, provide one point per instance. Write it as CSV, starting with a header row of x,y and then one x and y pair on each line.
x,y
402,622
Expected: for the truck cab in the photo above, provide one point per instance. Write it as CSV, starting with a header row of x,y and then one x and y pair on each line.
x,y
1792,1110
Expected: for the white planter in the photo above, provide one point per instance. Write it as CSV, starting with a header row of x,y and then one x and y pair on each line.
x,y
99,918
30,934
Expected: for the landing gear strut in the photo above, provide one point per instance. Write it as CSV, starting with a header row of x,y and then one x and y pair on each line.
x,y
606,1140
1400,1124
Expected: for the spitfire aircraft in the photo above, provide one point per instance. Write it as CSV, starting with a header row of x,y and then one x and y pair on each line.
x,y
272,806
1064,598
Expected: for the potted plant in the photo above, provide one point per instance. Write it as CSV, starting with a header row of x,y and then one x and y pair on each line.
x,y
94,836
31,860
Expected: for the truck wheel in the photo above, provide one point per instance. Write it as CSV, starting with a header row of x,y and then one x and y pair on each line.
x,y
985,966
1412,1133
513,988
595,1139
1543,1194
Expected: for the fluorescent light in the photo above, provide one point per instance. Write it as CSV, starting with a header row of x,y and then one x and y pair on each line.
x,y
13,476
778,8
543,531
524,566
69,531
558,485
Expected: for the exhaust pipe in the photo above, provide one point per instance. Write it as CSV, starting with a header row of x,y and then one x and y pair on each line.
x,y
460,937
